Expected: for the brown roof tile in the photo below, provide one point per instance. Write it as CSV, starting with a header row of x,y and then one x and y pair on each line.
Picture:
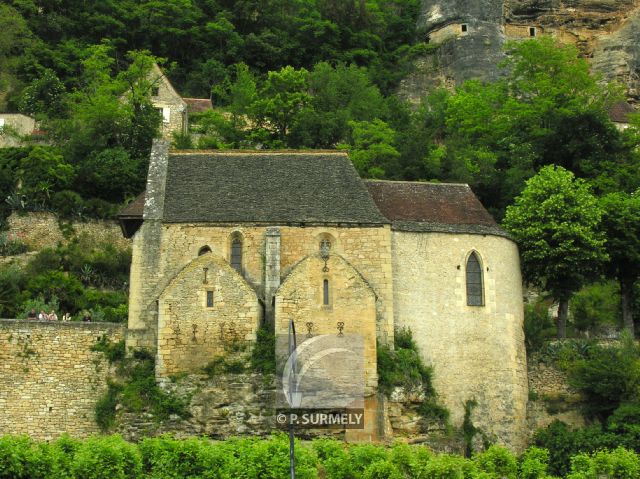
x,y
413,206
134,209
620,112
198,105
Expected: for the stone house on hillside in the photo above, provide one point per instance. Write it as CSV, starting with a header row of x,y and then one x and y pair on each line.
x,y
224,241
173,109
170,105
16,125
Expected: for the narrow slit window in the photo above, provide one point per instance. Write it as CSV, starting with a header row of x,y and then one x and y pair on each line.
x,y
325,292
464,27
475,296
236,255
532,31
209,299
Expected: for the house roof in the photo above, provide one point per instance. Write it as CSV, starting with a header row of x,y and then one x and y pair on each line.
x,y
619,113
442,207
198,105
134,209
266,187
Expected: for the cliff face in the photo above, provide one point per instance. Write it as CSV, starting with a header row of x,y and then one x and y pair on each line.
x,y
470,35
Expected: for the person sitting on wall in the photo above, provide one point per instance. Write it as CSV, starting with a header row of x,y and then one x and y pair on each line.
x,y
43,316
32,314
52,316
87,317
66,317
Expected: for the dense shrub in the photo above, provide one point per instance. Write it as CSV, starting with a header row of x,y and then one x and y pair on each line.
x,y
107,458
11,245
253,458
619,464
263,356
135,388
403,367
538,326
608,377
596,307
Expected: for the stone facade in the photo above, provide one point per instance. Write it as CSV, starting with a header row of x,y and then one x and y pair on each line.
x,y
477,351
206,307
13,126
171,107
50,380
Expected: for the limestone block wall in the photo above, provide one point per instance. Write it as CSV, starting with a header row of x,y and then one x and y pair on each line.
x,y
161,251
50,380
477,351
170,105
206,308
351,301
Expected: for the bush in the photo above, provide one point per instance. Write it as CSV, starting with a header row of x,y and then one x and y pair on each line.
x,y
596,307
107,458
498,462
12,280
538,326
263,355
20,458
67,204
11,245
167,458
534,464
609,377
619,464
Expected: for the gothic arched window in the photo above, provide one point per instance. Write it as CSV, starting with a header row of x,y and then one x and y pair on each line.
x,y
204,250
236,254
475,296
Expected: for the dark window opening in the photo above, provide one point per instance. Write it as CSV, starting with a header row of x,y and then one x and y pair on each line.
x,y
532,31
155,91
474,282
325,292
464,27
236,255
209,299
204,250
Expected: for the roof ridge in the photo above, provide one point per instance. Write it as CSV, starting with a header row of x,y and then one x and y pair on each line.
x,y
436,183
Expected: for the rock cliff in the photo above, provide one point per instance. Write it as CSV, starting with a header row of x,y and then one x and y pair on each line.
x,y
467,38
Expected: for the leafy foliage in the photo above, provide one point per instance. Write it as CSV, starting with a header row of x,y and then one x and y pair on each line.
x,y
402,367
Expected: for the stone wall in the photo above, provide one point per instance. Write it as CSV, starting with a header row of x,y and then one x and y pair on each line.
x,y
50,380
171,107
551,398
42,230
206,308
477,352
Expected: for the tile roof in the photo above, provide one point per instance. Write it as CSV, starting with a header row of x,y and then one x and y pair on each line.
x,y
444,207
197,105
620,112
135,208
266,187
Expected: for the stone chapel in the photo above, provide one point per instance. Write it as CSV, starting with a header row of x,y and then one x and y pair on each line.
x,y
224,241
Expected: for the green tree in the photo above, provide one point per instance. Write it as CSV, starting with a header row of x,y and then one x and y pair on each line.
x,y
43,171
372,151
621,222
556,223
110,111
283,95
